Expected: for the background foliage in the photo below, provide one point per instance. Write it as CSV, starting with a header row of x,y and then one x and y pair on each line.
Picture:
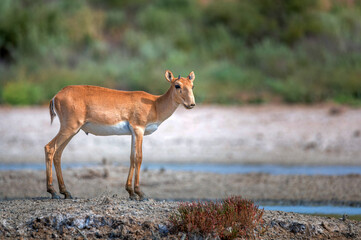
x,y
246,51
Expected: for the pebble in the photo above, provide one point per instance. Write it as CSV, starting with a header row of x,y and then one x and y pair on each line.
x,y
163,230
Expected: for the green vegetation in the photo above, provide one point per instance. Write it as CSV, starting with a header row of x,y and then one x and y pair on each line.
x,y
231,218
251,51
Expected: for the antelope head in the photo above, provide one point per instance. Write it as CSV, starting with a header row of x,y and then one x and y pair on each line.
x,y
182,89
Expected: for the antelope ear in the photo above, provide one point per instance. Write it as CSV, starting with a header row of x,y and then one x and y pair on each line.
x,y
169,76
191,76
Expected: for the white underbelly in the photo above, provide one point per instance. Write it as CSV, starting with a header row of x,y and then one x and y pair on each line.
x,y
121,128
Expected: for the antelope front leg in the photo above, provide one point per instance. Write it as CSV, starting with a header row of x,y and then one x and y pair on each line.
x,y
138,161
128,185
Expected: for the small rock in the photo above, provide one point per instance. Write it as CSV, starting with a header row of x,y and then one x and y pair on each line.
x,y
283,225
147,224
163,230
351,232
325,226
357,133
273,223
98,235
297,227
334,111
106,173
115,234
106,200
310,145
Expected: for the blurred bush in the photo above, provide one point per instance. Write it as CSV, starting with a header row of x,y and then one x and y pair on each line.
x,y
249,51
22,93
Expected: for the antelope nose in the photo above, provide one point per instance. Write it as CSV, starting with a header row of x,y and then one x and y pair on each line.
x,y
193,104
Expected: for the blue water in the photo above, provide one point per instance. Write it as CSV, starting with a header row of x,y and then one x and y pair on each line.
x,y
213,168
328,209
261,168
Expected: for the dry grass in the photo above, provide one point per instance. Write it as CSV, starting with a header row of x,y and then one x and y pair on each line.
x,y
228,219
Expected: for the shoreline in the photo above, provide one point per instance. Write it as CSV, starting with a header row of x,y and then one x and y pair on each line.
x,y
167,184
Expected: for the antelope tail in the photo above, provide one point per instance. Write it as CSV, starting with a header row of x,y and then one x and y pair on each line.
x,y
51,110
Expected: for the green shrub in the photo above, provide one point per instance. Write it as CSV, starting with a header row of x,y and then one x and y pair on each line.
x,y
115,19
241,51
247,25
274,60
32,28
158,20
224,82
22,93
292,91
24,30
349,99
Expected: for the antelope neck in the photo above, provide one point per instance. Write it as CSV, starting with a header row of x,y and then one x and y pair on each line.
x,y
166,105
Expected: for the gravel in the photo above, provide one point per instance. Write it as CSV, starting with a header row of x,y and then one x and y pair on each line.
x,y
92,182
110,217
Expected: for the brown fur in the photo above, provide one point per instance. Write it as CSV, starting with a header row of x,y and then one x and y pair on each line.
x,y
78,105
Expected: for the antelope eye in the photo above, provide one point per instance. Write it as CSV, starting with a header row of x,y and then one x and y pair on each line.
x,y
177,86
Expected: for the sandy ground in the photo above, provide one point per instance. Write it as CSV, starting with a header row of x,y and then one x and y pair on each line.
x,y
249,134
100,181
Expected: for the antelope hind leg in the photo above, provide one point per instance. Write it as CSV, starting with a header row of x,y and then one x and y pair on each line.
x,y
49,155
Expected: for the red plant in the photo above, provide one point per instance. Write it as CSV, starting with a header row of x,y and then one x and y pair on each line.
x,y
228,219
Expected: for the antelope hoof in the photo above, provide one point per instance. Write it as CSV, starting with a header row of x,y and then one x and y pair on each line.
x,y
55,196
67,195
133,197
143,198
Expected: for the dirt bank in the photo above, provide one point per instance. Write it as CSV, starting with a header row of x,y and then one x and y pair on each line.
x,y
249,134
113,217
95,182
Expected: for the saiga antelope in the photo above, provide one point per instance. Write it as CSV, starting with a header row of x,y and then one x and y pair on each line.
x,y
104,112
